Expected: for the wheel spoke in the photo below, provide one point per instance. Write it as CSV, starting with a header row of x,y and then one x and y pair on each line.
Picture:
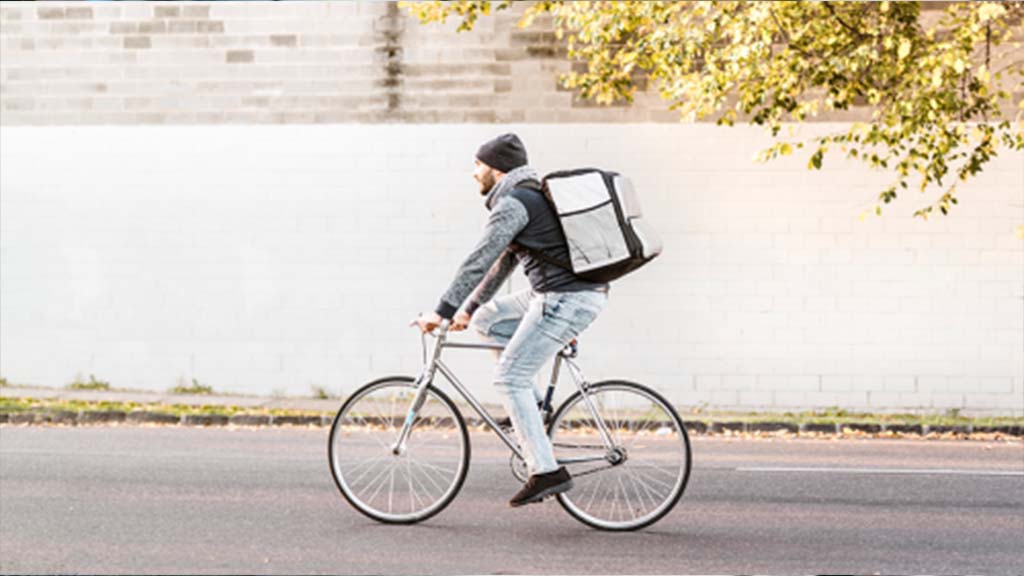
x,y
641,489
654,495
429,478
365,472
625,494
593,494
391,490
656,468
371,462
438,468
380,442
382,477
412,492
656,480
426,489
615,502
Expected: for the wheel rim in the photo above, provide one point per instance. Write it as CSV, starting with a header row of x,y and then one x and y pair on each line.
x,y
657,458
402,487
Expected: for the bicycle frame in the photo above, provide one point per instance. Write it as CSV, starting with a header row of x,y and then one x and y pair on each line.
x,y
435,365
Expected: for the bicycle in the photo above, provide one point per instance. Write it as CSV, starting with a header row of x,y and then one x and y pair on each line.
x,y
399,449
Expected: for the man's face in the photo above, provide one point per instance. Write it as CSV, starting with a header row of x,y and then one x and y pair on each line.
x,y
486,176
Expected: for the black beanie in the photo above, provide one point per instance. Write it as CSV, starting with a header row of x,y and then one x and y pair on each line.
x,y
504,153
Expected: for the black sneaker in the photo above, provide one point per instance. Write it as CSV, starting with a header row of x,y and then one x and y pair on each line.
x,y
506,422
540,486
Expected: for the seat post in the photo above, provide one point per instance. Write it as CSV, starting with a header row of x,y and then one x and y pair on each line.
x,y
550,393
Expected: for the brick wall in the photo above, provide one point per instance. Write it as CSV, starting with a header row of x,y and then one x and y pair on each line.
x,y
278,62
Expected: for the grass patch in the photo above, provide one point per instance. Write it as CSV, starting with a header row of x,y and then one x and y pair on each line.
x,y
92,384
321,393
194,388
15,404
40,404
840,416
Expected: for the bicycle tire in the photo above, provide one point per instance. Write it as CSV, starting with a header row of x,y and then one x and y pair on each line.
x,y
677,489
333,443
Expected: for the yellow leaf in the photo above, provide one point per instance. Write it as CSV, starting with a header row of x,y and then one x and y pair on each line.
x,y
958,66
904,49
785,149
989,11
983,74
937,78
1020,232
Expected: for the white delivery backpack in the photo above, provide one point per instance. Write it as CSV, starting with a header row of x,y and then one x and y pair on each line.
x,y
604,227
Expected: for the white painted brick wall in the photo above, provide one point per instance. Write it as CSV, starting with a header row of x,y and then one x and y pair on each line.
x,y
276,258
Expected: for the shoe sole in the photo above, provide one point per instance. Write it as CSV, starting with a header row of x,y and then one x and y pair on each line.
x,y
558,489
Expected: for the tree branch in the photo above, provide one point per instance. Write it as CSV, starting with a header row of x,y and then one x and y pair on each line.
x,y
859,33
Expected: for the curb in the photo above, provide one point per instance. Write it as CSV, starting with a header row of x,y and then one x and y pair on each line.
x,y
698,427
85,417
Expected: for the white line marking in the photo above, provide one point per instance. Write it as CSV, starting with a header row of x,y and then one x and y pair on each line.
x,y
933,471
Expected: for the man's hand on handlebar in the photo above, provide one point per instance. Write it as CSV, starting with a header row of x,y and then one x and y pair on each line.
x,y
460,322
428,322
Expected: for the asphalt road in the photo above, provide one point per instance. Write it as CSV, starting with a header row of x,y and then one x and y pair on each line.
x,y
228,501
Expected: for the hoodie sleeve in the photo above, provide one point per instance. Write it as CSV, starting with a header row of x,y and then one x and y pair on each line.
x,y
507,219
506,263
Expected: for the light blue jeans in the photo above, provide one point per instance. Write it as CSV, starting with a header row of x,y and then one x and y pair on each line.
x,y
533,326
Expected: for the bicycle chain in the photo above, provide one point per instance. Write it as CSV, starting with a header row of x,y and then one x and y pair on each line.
x,y
592,470
594,446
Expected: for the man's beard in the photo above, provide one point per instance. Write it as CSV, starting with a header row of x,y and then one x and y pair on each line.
x,y
486,183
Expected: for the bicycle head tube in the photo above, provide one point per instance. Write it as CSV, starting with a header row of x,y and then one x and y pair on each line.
x,y
440,335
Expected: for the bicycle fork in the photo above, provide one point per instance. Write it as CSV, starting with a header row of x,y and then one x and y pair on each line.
x,y
424,380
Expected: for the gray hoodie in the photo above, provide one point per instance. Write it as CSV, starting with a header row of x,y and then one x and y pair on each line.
x,y
520,218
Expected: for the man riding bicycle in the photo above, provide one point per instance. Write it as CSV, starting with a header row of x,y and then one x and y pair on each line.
x,y
533,324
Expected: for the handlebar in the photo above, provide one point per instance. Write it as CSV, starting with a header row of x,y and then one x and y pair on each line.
x,y
441,330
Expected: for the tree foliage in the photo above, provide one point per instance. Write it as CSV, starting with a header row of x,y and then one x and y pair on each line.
x,y
936,91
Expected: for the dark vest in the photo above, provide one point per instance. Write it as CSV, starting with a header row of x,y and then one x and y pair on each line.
x,y
543,233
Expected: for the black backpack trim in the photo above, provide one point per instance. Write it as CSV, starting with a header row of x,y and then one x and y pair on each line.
x,y
538,186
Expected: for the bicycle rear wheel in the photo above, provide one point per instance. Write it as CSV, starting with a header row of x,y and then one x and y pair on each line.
x,y
640,479
419,482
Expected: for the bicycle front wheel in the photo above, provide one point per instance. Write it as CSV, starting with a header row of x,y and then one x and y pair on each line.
x,y
640,477
405,488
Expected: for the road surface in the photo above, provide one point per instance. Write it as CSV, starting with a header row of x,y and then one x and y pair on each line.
x,y
261,500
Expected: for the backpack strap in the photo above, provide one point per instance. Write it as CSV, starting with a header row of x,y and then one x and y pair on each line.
x,y
536,186
531,184
548,259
